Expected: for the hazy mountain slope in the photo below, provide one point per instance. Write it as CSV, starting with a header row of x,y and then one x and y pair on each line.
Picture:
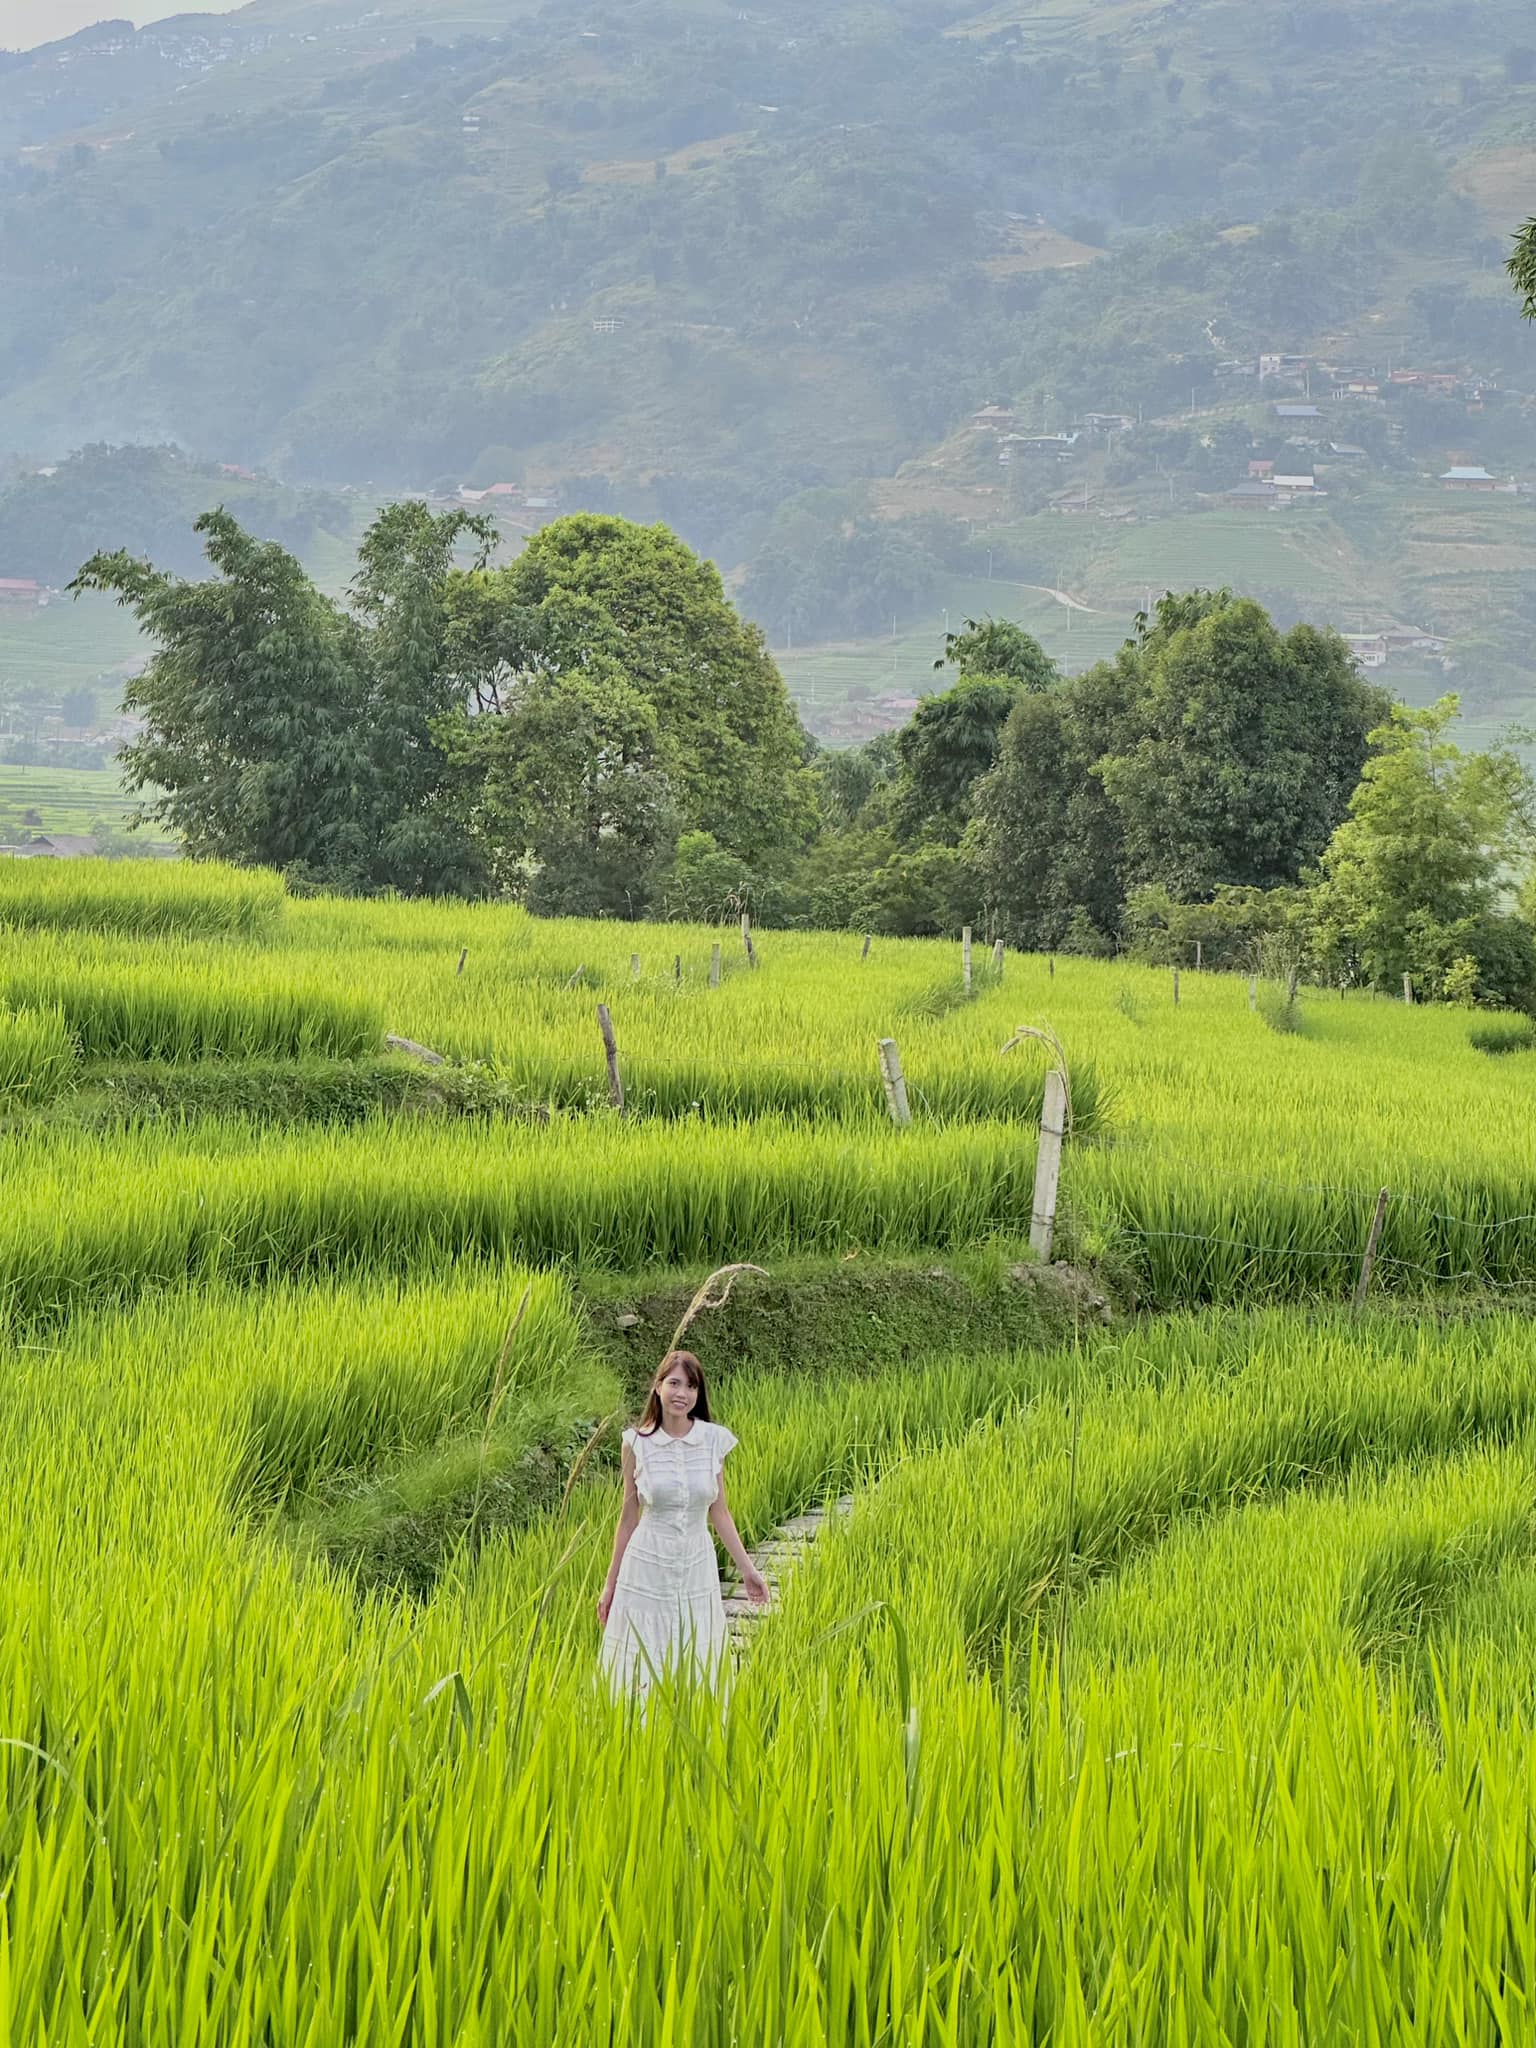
x,y
374,242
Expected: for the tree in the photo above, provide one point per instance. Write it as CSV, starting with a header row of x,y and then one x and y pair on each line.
x,y
1047,842
254,707
594,589
998,649
286,732
1248,745
950,742
1412,880
613,700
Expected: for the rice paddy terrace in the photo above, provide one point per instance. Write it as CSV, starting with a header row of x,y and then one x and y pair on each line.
x,y
1173,1678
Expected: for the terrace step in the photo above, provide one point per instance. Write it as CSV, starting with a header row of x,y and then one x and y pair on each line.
x,y
774,1557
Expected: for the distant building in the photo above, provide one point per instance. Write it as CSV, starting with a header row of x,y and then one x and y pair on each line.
x,y
1299,486
20,590
1262,470
1346,451
59,846
1467,477
606,323
1298,412
1108,422
994,419
1257,495
1369,649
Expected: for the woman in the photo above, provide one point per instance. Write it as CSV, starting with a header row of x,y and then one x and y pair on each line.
x,y
661,1605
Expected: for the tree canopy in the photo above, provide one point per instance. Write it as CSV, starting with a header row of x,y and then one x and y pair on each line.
x,y
548,729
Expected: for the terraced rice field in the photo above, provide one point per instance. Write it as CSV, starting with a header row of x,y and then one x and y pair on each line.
x,y
1171,1681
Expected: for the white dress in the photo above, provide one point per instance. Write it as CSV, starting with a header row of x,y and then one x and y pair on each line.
x,y
667,1610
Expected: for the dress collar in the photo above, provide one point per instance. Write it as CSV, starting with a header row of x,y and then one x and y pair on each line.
x,y
693,1438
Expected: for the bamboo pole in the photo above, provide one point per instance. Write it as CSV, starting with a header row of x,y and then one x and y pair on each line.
x,y
895,1082
611,1052
1368,1263
1053,1129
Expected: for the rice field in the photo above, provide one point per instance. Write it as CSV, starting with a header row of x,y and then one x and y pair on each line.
x,y
1172,1681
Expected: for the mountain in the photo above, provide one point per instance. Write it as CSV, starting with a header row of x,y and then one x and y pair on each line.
x,y
694,260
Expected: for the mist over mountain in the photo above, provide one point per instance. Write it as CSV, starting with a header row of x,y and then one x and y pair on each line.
x,y
699,261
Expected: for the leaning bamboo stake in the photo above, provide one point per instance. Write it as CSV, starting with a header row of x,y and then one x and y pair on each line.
x,y
1368,1263
463,956
579,975
611,1052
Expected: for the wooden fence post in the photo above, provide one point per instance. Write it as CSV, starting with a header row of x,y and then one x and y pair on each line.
x,y
1175,988
1368,1263
746,939
677,971
611,1050
1253,991
1407,988
1199,957
714,966
1292,982
463,956
1051,966
997,956
965,957
895,1082
867,937
634,966
1053,1128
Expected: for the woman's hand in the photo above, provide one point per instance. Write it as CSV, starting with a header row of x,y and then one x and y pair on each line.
x,y
756,1586
604,1606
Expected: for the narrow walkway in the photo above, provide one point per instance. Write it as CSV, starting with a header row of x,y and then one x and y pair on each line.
x,y
775,1558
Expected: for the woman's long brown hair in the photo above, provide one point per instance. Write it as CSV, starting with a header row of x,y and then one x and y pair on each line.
x,y
650,1421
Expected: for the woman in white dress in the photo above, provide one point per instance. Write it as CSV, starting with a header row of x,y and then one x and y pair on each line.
x,y
661,1607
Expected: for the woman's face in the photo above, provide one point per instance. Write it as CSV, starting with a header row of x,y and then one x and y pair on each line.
x,y
678,1393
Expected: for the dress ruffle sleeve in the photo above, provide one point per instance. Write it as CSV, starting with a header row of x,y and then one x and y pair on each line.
x,y
721,1446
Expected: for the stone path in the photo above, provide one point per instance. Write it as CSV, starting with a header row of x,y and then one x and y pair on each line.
x,y
775,1558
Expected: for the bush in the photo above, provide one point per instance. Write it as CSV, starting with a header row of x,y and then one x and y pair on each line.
x,y
1503,1034
1280,1010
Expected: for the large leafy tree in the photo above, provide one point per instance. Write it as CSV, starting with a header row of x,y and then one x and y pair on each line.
x,y
1048,842
948,745
1413,878
618,700
285,731
1212,752
998,648
253,706
1247,746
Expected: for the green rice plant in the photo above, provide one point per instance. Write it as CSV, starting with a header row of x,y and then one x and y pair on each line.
x,y
221,1200
38,1057
345,1816
132,1008
1503,1034
145,898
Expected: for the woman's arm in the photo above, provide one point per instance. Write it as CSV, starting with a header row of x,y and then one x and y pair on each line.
x,y
721,1522
629,1521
